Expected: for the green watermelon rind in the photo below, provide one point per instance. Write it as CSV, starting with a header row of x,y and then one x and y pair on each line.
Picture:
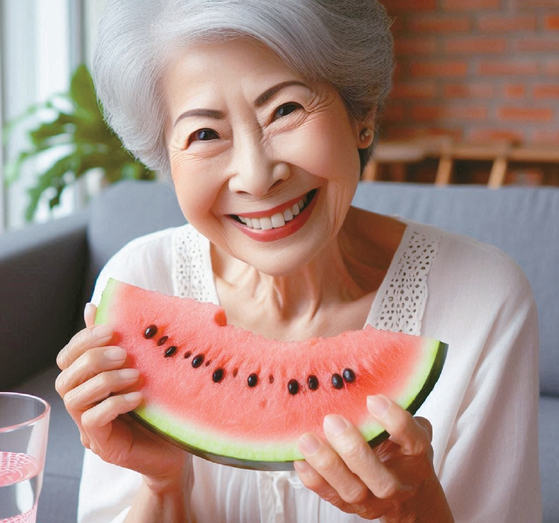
x,y
276,455
102,315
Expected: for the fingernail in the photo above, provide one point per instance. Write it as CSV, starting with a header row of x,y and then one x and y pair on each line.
x,y
115,354
334,425
102,331
133,397
89,310
308,444
302,467
377,405
60,358
128,374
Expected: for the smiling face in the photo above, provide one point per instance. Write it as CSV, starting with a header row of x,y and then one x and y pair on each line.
x,y
265,164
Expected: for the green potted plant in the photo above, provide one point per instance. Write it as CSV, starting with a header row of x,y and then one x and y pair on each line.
x,y
78,129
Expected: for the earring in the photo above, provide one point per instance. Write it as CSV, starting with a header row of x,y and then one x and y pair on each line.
x,y
365,134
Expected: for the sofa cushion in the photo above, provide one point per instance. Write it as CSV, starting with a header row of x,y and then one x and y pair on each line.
x,y
125,211
41,276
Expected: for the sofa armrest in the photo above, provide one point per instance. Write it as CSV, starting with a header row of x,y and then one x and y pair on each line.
x,y
42,270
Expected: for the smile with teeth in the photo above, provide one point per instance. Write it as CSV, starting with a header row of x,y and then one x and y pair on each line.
x,y
279,219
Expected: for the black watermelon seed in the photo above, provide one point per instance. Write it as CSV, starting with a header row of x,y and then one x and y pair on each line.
x,y
293,387
187,354
312,382
150,332
217,375
252,380
162,340
337,381
349,375
271,378
198,360
170,351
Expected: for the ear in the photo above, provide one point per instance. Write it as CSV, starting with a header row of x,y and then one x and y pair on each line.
x,y
366,130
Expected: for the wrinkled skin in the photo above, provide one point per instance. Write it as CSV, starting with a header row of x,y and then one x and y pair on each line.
x,y
395,480
93,384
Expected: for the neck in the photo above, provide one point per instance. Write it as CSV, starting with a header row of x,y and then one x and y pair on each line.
x,y
318,298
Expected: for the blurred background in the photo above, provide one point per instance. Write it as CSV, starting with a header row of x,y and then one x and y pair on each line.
x,y
475,100
483,77
42,42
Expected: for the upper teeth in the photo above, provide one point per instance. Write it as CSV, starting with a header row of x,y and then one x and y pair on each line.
x,y
277,220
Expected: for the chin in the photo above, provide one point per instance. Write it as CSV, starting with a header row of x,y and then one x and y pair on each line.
x,y
283,259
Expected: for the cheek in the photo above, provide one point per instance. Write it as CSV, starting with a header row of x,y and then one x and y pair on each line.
x,y
324,149
329,153
197,187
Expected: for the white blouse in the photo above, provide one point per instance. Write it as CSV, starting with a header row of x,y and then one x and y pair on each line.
x,y
484,409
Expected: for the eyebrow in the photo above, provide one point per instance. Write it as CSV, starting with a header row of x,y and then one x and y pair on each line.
x,y
210,113
266,95
261,100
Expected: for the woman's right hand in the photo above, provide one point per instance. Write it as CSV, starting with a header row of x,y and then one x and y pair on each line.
x,y
95,384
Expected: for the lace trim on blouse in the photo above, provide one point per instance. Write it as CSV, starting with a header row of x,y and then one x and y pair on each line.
x,y
191,264
405,293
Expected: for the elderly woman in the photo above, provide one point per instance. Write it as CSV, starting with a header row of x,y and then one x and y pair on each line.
x,y
264,114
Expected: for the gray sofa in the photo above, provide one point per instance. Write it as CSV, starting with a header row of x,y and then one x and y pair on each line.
x,y
47,272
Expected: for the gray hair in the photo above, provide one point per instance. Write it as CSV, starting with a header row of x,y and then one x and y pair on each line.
x,y
346,43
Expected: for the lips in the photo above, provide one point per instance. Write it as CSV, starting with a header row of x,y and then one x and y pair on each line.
x,y
266,221
278,222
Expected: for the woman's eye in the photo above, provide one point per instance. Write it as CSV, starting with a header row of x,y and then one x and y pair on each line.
x,y
285,109
203,135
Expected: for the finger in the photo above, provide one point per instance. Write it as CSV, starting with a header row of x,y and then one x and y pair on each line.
x,y
330,466
426,424
97,422
99,388
315,482
79,399
83,341
89,314
360,459
369,509
412,437
88,365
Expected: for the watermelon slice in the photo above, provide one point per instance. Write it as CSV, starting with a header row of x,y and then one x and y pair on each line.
x,y
239,399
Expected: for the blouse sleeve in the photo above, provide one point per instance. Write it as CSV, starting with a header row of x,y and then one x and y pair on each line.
x,y
106,490
483,306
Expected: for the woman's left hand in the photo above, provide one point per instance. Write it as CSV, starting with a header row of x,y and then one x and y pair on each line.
x,y
395,480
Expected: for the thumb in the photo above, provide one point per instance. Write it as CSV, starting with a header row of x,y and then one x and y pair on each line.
x,y
89,314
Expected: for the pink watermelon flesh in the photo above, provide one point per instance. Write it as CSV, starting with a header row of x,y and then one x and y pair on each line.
x,y
240,399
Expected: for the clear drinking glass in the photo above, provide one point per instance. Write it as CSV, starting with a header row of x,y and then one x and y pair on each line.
x,y
24,423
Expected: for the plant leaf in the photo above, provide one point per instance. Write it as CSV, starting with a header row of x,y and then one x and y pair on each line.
x,y
48,130
30,112
53,177
78,122
83,94
12,169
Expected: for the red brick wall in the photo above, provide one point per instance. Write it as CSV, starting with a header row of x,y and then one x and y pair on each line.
x,y
479,70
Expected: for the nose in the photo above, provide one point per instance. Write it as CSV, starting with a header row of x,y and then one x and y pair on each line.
x,y
253,170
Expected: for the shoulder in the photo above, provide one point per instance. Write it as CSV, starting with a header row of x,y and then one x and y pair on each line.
x,y
473,274
468,260
145,261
